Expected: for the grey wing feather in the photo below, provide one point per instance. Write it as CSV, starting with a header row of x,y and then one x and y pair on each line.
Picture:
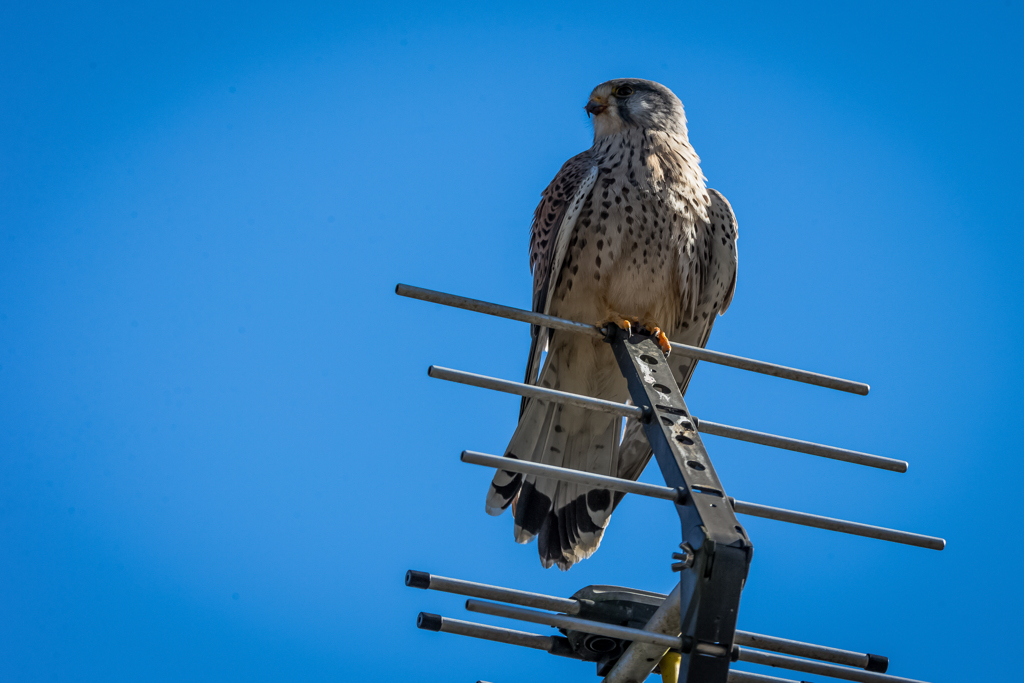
x,y
721,213
553,222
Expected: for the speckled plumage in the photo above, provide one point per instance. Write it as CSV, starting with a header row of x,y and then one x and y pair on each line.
x,y
627,229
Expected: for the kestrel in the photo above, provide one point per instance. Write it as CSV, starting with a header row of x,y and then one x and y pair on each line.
x,y
626,233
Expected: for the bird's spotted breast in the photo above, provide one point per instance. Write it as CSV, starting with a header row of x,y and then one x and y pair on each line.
x,y
629,246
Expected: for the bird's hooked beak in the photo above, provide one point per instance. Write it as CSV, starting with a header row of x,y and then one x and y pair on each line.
x,y
595,107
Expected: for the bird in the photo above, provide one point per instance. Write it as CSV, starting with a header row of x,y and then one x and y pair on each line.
x,y
628,234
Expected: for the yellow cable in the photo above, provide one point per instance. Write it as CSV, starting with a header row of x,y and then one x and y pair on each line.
x,y
670,667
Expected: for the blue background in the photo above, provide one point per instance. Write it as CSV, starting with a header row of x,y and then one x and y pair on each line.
x,y
219,450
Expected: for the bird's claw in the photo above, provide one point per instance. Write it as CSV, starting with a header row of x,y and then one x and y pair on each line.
x,y
630,324
662,340
619,322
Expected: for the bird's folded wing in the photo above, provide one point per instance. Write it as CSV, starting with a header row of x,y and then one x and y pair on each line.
x,y
553,224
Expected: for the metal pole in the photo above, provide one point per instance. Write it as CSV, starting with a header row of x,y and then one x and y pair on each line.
x,y
703,426
572,623
554,323
832,524
846,455
747,677
665,620
819,652
670,642
739,506
497,310
530,391
574,476
424,580
435,622
811,667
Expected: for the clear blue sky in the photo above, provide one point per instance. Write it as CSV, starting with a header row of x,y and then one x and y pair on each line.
x,y
219,450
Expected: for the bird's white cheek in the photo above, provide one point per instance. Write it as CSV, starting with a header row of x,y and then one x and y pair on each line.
x,y
607,123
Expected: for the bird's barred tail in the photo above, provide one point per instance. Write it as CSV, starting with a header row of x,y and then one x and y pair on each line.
x,y
567,519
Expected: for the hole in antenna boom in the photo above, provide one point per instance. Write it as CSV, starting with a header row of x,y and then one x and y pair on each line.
x,y
670,409
650,360
694,465
662,389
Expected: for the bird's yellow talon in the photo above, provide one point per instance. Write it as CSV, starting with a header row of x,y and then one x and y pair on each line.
x,y
621,323
662,340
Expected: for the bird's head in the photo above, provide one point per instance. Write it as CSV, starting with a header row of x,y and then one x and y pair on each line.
x,y
634,103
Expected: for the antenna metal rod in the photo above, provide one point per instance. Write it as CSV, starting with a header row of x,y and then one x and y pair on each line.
x,y
812,667
675,642
435,622
832,524
739,506
487,308
530,391
665,619
713,428
747,677
821,450
572,623
820,652
566,474
554,323
424,580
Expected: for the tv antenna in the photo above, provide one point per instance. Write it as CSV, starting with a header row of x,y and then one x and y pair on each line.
x,y
690,635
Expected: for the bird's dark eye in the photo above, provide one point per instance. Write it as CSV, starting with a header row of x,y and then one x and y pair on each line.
x,y
623,91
